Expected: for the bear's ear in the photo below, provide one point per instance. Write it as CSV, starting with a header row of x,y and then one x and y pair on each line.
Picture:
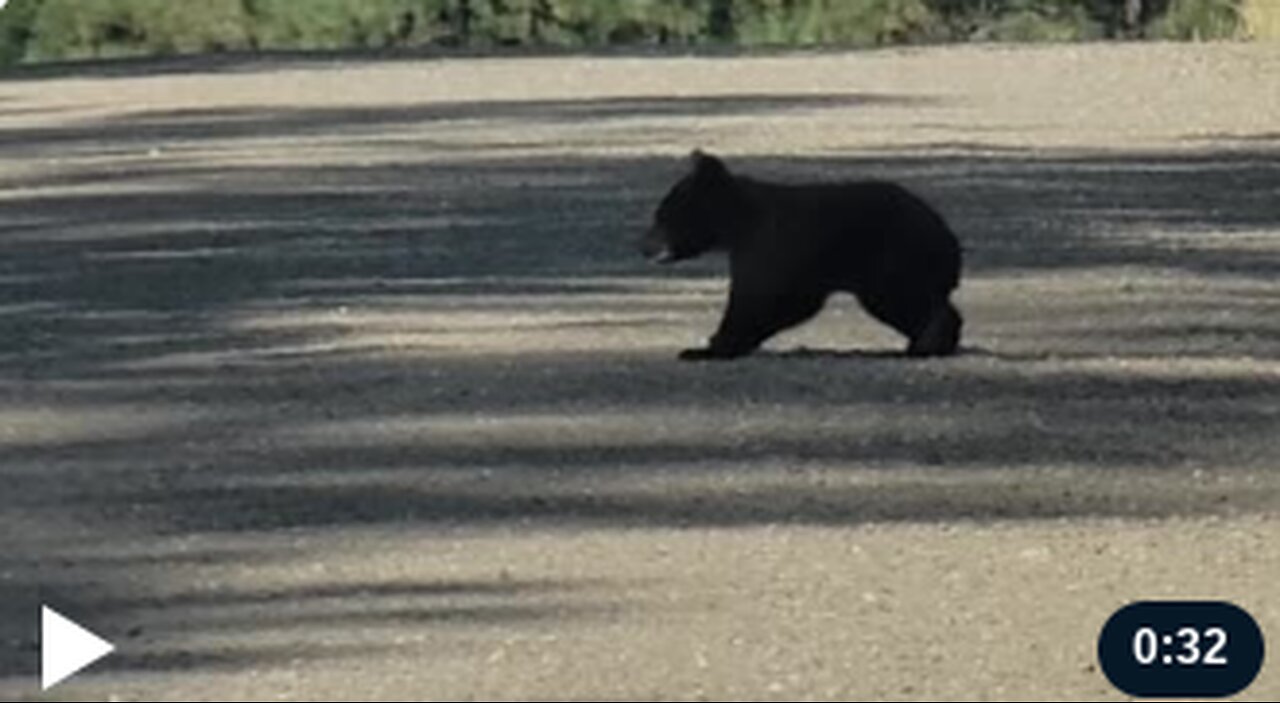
x,y
705,164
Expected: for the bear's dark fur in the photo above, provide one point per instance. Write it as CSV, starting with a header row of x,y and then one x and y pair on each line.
x,y
791,246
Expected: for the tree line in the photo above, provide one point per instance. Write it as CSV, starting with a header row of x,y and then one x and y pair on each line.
x,y
41,30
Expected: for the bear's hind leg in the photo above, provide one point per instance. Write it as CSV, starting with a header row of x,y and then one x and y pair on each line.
x,y
940,335
932,325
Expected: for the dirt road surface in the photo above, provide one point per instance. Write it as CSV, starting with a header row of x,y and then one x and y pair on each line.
x,y
342,380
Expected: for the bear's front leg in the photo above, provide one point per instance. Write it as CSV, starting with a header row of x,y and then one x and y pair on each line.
x,y
754,314
711,353
730,342
739,333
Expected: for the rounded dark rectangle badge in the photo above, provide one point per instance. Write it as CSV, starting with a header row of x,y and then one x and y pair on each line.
x,y
1165,649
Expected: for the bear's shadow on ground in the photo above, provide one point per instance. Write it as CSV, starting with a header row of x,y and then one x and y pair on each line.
x,y
898,355
100,287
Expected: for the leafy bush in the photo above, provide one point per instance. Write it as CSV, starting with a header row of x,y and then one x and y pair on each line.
x,y
336,24
36,30
72,29
580,22
187,27
838,22
1199,19
1027,21
16,21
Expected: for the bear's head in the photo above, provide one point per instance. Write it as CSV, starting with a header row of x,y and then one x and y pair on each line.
x,y
696,214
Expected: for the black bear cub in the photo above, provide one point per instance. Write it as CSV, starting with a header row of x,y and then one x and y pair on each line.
x,y
791,246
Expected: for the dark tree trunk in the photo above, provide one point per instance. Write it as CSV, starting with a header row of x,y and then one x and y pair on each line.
x,y
464,21
720,20
1132,18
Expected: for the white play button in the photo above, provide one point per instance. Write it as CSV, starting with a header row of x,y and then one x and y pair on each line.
x,y
66,648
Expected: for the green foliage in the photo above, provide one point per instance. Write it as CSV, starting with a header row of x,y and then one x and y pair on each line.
x,y
833,22
72,29
36,30
1199,20
337,24
16,21
1036,21
652,21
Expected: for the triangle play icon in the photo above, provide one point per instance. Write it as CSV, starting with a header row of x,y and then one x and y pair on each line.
x,y
66,647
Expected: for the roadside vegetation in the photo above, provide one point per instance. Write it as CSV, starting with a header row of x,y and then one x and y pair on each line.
x,y
61,30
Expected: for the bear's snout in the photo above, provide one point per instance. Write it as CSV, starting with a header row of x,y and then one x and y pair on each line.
x,y
654,247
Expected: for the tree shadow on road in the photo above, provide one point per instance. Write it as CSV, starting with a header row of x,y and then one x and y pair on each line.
x,y
177,345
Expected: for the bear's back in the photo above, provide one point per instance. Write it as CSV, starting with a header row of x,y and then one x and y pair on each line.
x,y
859,230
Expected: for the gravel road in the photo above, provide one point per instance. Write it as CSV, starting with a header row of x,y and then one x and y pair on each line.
x,y
342,380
